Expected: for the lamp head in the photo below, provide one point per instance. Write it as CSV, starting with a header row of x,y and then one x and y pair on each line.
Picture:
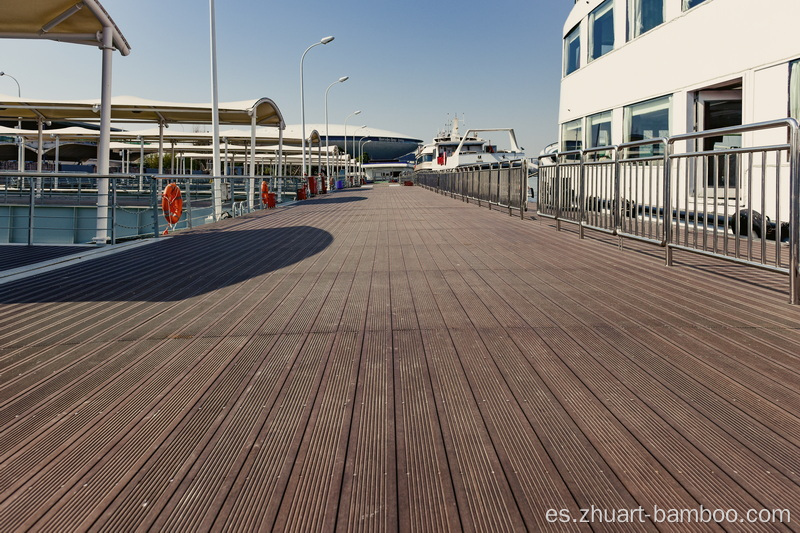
x,y
2,73
326,40
357,112
344,78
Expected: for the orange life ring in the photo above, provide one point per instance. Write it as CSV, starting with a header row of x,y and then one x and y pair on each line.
x,y
172,203
264,192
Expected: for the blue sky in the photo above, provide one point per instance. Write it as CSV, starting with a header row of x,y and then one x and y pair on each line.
x,y
412,64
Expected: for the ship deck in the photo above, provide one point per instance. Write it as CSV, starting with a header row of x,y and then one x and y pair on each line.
x,y
393,359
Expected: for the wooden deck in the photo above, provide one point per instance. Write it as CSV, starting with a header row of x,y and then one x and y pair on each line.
x,y
393,359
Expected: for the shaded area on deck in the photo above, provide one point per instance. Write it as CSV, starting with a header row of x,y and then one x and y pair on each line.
x,y
408,361
16,256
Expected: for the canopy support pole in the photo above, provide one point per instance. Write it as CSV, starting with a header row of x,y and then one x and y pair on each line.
x,y
250,197
104,144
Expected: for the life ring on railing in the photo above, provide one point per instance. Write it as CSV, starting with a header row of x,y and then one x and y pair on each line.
x,y
172,203
264,192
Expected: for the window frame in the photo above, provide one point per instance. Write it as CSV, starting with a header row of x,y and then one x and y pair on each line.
x,y
628,116
607,8
577,124
634,8
686,7
573,35
597,119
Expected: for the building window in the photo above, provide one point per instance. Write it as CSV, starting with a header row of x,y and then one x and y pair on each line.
x,y
601,30
794,89
572,50
644,15
599,127
572,135
689,4
647,120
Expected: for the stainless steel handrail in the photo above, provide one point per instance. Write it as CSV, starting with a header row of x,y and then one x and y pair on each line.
x,y
640,203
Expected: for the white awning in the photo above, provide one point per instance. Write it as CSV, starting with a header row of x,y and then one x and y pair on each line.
x,y
80,22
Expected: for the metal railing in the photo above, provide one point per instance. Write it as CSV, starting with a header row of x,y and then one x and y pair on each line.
x,y
739,204
62,208
502,185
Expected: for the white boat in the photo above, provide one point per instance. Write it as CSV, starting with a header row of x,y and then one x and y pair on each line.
x,y
451,150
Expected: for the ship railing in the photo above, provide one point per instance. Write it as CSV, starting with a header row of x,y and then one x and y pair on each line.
x,y
499,185
687,193
62,207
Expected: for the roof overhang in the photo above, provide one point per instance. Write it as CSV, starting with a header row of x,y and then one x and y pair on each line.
x,y
79,22
132,109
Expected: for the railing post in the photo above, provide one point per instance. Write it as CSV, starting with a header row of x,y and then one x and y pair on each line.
x,y
113,211
617,200
509,190
582,194
154,203
794,215
557,193
668,150
31,208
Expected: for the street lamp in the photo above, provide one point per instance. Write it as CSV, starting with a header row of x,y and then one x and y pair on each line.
x,y
362,157
325,40
19,91
327,147
355,146
20,144
360,141
346,161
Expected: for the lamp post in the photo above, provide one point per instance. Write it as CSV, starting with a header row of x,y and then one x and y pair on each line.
x,y
19,91
355,146
325,40
360,144
20,149
361,157
347,161
327,146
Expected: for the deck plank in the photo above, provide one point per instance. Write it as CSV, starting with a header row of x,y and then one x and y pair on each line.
x,y
394,359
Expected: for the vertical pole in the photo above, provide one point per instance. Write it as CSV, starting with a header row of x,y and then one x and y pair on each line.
x,y
251,195
39,153
794,217
114,211
280,163
668,150
57,159
582,194
215,169
105,138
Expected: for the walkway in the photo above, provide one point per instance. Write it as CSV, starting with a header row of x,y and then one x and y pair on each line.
x,y
390,358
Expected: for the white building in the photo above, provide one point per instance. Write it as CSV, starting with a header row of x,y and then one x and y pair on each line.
x,y
638,69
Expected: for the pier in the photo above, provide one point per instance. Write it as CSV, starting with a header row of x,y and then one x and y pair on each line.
x,y
387,358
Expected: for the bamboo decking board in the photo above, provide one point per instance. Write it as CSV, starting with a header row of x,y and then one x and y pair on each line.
x,y
394,359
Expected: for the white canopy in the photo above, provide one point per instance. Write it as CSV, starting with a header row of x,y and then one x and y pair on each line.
x,y
69,21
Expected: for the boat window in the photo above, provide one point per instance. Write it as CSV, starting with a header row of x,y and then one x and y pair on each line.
x,y
794,89
644,15
689,4
572,50
647,120
601,30
572,135
599,130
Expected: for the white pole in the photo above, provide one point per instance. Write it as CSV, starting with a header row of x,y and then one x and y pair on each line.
x,y
327,145
104,143
325,40
215,169
251,202
346,161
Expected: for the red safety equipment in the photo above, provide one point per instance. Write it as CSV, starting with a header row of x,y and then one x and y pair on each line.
x,y
172,203
271,200
264,192
301,193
